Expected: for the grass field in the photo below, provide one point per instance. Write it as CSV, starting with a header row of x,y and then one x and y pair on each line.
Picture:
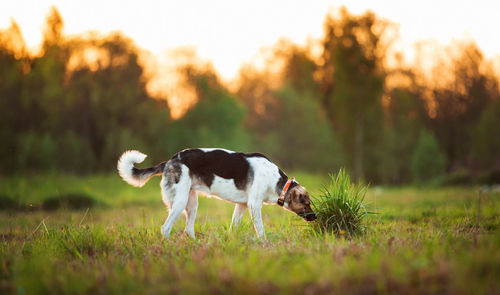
x,y
423,241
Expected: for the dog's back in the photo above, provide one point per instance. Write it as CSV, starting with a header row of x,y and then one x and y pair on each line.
x,y
206,164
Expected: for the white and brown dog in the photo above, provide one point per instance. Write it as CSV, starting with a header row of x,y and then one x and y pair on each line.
x,y
248,180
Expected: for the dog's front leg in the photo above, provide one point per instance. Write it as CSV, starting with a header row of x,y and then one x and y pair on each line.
x,y
255,211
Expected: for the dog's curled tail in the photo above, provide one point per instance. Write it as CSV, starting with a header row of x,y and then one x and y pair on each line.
x,y
132,175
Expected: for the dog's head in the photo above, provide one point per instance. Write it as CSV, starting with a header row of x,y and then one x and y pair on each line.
x,y
299,202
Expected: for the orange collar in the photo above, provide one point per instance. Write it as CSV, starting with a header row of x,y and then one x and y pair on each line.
x,y
281,199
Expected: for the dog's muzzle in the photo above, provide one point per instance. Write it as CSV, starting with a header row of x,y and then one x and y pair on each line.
x,y
309,216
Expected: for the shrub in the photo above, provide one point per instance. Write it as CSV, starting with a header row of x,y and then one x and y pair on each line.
x,y
340,208
71,201
7,203
428,162
485,139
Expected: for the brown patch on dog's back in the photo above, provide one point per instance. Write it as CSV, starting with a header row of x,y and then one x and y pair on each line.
x,y
205,165
173,174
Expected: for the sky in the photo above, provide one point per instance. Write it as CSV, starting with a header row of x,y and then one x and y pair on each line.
x,y
231,32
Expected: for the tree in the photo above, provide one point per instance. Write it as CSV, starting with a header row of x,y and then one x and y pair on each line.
x,y
109,104
302,137
217,118
13,64
485,143
74,117
457,103
352,85
403,125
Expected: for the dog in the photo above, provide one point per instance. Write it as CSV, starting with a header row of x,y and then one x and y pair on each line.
x,y
248,180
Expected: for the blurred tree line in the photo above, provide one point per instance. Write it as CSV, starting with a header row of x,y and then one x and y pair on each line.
x,y
82,101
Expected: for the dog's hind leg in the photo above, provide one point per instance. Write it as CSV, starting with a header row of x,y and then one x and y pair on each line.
x,y
190,211
178,196
239,210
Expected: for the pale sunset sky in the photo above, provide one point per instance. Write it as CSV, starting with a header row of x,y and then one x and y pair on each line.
x,y
229,32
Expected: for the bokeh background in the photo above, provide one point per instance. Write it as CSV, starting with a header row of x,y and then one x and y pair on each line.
x,y
353,94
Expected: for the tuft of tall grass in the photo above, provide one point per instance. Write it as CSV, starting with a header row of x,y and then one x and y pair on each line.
x,y
340,208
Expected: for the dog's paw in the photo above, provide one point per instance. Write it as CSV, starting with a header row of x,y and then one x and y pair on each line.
x,y
190,234
164,233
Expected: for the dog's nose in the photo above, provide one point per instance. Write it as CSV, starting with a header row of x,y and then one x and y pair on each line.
x,y
311,217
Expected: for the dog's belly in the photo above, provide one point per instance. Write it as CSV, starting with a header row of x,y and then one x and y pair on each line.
x,y
223,189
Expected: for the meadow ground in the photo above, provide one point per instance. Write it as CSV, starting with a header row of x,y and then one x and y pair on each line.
x,y
423,241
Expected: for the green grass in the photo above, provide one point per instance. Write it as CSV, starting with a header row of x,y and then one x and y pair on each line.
x,y
340,208
422,241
